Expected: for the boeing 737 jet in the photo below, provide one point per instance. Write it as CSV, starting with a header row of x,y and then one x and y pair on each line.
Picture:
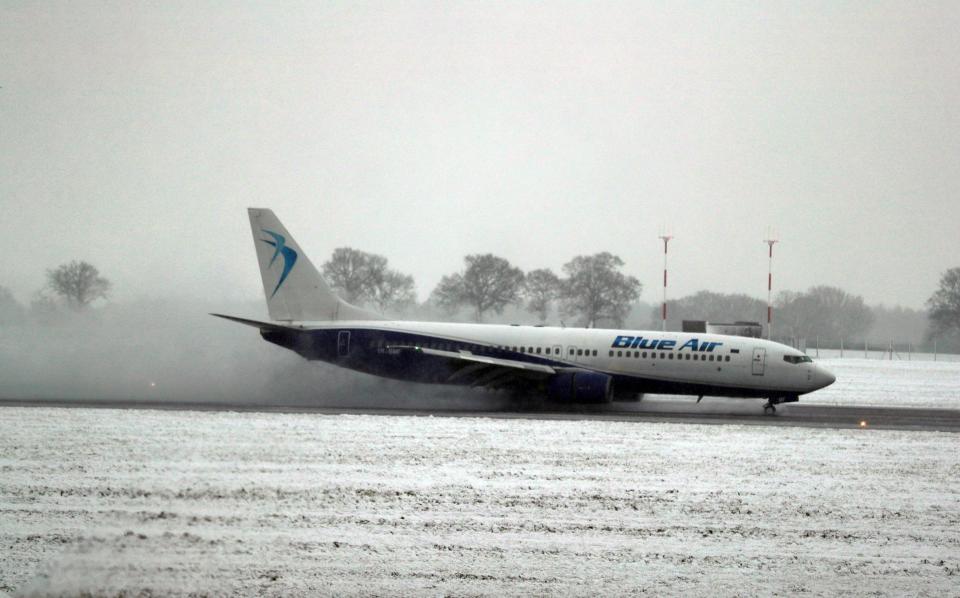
x,y
575,365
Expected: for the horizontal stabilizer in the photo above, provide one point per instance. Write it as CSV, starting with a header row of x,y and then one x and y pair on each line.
x,y
254,323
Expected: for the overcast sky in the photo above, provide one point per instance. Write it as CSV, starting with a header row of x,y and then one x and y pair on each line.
x,y
134,136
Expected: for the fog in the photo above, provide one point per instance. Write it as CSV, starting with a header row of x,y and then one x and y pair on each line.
x,y
165,350
133,136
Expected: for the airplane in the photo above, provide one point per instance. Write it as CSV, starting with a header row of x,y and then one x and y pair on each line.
x,y
559,364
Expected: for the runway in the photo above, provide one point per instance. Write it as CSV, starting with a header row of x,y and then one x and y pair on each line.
x,y
674,410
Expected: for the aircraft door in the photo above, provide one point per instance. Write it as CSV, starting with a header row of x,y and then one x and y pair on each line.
x,y
343,343
572,354
558,351
759,358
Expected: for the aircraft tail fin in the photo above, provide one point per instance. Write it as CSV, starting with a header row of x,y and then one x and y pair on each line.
x,y
293,286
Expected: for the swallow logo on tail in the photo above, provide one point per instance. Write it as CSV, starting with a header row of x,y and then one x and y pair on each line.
x,y
279,243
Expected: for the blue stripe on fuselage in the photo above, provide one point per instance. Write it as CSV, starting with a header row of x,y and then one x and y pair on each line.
x,y
365,357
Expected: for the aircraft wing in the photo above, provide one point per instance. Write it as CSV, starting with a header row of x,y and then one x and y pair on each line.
x,y
485,371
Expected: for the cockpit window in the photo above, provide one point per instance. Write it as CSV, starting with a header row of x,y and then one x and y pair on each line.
x,y
797,358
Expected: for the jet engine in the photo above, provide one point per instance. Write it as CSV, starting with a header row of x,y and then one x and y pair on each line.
x,y
580,386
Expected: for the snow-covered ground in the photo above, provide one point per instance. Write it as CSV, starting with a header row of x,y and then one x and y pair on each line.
x,y
885,383
150,502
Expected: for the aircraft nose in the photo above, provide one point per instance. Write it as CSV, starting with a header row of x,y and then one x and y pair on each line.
x,y
824,377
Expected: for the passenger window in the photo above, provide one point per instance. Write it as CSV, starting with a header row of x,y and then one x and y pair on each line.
x,y
611,352
594,352
538,350
636,354
727,358
571,351
579,351
644,354
671,355
619,353
711,358
663,355
653,356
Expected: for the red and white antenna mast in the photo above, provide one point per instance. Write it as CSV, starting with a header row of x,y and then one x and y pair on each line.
x,y
770,241
663,312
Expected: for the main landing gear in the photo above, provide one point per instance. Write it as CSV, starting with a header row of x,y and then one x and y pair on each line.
x,y
770,407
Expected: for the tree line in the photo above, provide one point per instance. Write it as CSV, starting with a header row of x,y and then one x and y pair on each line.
x,y
821,311
74,285
591,291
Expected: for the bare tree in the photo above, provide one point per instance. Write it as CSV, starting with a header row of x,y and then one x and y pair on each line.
x,y
488,283
595,289
944,307
449,293
10,308
824,311
713,307
899,323
354,273
392,290
789,314
78,283
540,288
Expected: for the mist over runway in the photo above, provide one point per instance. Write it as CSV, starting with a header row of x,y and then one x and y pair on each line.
x,y
905,395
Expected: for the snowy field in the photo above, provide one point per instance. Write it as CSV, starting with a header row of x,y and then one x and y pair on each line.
x,y
175,502
885,383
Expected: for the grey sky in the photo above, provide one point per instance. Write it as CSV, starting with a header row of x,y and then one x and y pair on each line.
x,y
134,135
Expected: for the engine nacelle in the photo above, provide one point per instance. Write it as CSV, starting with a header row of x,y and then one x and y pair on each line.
x,y
580,386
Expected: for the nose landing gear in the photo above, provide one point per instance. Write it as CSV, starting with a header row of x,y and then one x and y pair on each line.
x,y
770,407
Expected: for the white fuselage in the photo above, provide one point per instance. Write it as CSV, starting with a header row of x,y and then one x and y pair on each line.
x,y
701,359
